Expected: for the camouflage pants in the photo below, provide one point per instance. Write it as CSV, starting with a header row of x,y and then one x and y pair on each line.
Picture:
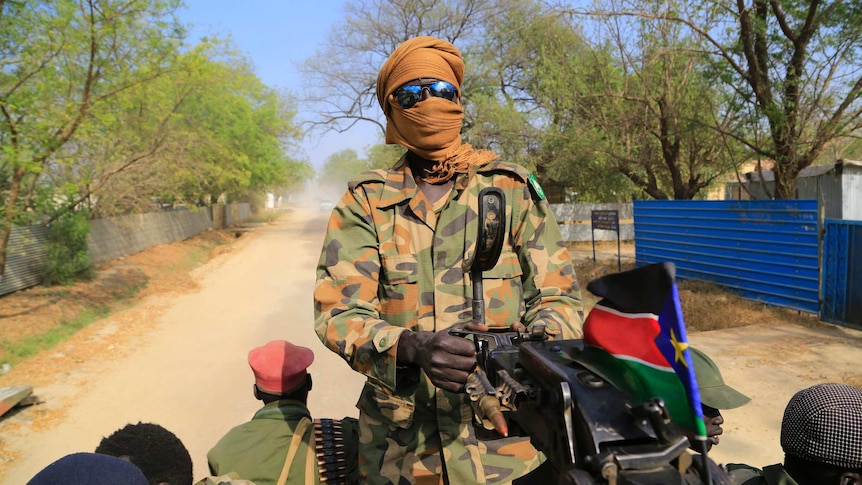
x,y
410,451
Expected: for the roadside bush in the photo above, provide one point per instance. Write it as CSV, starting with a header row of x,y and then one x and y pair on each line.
x,y
67,250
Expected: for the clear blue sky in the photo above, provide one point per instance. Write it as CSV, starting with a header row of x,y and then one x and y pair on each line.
x,y
276,35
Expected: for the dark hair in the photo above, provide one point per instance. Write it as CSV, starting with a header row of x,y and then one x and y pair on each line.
x,y
156,451
299,393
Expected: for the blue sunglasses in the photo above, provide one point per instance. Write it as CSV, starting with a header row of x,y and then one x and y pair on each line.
x,y
411,93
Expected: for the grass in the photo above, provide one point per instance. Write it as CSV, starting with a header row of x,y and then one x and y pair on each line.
x,y
114,291
193,259
705,306
34,344
264,217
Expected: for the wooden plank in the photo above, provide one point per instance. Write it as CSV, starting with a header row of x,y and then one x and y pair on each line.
x,y
11,396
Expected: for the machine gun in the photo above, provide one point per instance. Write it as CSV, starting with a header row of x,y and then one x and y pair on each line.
x,y
550,390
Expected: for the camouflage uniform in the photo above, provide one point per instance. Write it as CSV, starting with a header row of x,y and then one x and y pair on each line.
x,y
393,263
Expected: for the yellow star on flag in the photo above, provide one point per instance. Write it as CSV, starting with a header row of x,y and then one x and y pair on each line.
x,y
679,348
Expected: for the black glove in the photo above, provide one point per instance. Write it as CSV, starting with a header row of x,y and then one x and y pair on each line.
x,y
447,360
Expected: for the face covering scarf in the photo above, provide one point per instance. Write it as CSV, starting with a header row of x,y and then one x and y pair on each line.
x,y
432,127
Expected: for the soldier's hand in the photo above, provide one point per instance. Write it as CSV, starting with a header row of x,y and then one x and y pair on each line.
x,y
447,360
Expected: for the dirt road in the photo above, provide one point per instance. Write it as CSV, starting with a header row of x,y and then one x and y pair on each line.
x,y
188,372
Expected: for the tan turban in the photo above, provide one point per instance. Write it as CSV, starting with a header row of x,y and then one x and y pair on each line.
x,y
431,128
415,58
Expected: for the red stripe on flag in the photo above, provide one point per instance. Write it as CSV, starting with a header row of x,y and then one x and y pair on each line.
x,y
624,335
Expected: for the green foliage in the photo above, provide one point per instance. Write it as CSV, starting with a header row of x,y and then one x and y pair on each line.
x,y
37,343
62,61
538,86
384,156
341,167
794,68
236,131
67,249
104,103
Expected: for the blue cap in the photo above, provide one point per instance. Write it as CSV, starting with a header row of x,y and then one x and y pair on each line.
x,y
90,469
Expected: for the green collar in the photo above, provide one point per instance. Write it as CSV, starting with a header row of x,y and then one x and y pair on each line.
x,y
283,409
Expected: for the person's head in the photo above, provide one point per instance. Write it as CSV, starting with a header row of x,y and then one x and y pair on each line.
x,y
156,451
280,371
419,90
821,435
715,394
431,127
90,469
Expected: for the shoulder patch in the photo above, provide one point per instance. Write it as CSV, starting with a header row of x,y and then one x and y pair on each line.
x,y
535,188
376,175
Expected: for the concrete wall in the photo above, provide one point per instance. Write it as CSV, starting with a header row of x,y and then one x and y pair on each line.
x,y
576,223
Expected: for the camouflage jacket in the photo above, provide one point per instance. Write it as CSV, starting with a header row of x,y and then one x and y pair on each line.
x,y
392,263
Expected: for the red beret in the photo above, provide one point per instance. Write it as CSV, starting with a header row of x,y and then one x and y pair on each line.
x,y
279,366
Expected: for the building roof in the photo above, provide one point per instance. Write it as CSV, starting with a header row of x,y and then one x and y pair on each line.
x,y
810,171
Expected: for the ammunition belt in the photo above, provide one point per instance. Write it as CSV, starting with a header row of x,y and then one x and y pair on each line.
x,y
331,454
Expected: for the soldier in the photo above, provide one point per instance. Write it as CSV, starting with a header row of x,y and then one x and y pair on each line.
x,y
281,445
158,452
715,395
821,435
391,280
89,468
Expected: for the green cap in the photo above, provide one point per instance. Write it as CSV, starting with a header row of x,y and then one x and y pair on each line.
x,y
713,391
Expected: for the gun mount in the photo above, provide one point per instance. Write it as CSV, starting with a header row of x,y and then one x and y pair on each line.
x,y
589,430
551,391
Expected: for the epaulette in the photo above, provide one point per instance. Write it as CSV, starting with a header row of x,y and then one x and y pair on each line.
x,y
513,168
332,460
520,172
376,175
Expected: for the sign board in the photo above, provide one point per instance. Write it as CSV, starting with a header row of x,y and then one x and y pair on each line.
x,y
608,220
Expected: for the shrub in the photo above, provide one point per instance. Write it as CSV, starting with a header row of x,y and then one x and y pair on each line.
x,y
67,249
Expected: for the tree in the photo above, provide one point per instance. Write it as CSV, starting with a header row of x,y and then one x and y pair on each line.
x,y
60,60
116,161
382,155
655,113
236,134
341,167
795,70
341,77
523,101
211,128
600,120
798,64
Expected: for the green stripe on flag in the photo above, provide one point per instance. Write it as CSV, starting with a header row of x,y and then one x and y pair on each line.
x,y
641,382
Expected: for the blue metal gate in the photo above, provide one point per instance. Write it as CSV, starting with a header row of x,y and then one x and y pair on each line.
x,y
842,272
765,250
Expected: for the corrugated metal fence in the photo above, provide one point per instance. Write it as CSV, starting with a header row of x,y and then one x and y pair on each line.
x,y
842,272
109,239
766,250
116,237
25,258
